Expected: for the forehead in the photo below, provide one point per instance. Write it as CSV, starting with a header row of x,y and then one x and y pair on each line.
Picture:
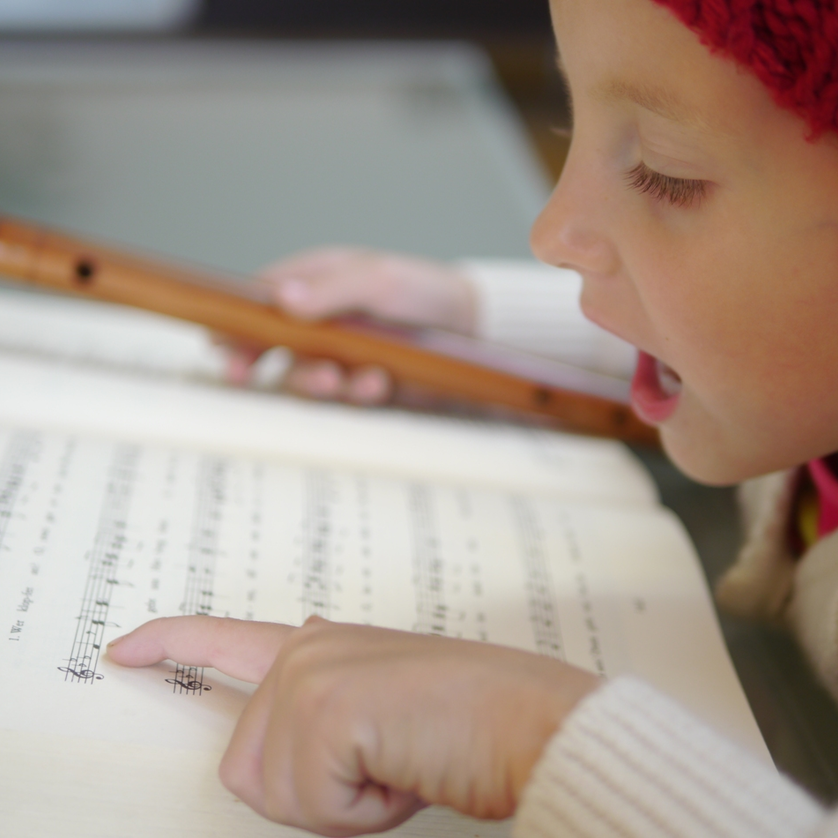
x,y
637,52
614,89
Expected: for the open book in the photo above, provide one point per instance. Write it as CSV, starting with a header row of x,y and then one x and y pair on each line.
x,y
132,486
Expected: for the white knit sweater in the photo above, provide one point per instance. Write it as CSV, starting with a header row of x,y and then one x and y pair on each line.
x,y
629,762
536,308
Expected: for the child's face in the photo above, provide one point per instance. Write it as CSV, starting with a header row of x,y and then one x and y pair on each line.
x,y
706,228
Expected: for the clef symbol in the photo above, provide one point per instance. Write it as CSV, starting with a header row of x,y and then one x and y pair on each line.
x,y
191,686
81,673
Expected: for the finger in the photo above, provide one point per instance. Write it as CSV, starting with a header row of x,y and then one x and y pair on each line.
x,y
390,286
369,385
263,769
354,287
229,342
417,397
241,356
241,769
242,649
244,769
316,379
309,262
240,362
330,805
375,809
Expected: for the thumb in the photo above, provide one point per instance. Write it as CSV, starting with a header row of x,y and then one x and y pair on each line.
x,y
357,287
390,286
242,649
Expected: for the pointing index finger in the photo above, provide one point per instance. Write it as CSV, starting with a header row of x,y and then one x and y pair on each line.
x,y
242,649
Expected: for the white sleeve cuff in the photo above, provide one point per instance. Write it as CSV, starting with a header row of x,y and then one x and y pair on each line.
x,y
630,763
536,308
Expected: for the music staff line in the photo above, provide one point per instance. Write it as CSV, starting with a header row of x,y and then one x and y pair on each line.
x,y
82,663
212,489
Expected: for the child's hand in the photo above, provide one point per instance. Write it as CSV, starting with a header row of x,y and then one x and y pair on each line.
x,y
330,282
353,728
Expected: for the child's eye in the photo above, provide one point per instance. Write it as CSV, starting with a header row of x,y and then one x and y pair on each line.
x,y
680,192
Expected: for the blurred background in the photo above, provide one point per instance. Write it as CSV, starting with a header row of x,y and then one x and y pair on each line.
x,y
428,18
233,131
515,33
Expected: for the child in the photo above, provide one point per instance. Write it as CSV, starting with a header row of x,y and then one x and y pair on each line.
x,y
700,205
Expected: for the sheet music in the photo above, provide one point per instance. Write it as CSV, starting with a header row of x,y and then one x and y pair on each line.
x,y
103,403
103,369
129,496
97,536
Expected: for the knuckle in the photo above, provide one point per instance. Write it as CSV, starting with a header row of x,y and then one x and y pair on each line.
x,y
312,682
315,620
280,805
231,776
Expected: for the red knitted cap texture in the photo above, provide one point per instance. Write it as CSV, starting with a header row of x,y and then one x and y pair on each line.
x,y
790,45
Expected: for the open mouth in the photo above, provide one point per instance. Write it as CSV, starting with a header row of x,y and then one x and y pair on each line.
x,y
655,389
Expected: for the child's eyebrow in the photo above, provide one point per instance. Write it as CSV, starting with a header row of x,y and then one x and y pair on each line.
x,y
655,99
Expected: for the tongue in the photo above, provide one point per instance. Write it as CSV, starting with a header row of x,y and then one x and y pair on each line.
x,y
668,379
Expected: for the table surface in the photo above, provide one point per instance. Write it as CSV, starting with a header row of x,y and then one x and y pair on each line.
x,y
243,152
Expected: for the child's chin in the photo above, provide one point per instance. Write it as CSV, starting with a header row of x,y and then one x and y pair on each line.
x,y
723,453
704,458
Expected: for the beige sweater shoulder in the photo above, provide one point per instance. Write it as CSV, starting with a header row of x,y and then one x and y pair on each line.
x,y
767,582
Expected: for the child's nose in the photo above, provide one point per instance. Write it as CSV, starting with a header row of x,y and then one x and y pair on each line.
x,y
571,231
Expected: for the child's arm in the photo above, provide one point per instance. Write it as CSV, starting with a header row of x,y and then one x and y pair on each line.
x,y
523,304
354,728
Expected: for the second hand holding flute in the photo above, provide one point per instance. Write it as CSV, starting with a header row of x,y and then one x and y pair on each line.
x,y
448,364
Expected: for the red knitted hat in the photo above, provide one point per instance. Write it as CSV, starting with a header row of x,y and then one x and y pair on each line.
x,y
790,45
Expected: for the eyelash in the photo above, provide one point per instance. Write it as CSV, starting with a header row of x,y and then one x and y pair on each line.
x,y
680,192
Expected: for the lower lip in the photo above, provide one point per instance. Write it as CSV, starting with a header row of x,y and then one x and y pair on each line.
x,y
650,402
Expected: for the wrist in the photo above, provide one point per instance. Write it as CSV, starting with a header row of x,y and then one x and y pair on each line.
x,y
559,694
464,311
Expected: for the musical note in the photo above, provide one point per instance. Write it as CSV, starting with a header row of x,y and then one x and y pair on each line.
x,y
428,566
189,686
211,498
80,671
540,597
290,542
103,563
20,451
81,674
189,680
321,497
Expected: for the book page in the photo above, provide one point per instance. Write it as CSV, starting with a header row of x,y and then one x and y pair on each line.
x,y
104,369
97,536
91,334
134,484
107,404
